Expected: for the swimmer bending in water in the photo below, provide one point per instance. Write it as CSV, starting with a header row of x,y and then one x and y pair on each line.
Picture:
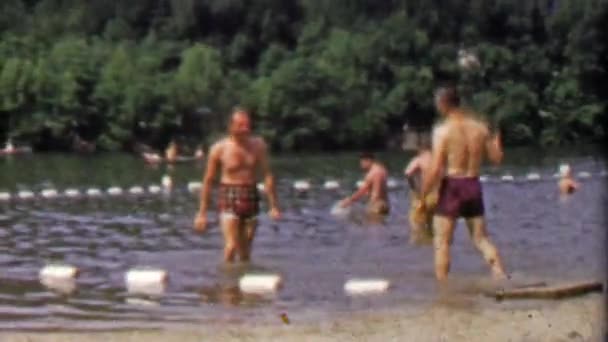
x,y
374,185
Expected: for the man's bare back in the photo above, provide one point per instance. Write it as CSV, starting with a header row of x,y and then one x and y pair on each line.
x,y
464,141
377,177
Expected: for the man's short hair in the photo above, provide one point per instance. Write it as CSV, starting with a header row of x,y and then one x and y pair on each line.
x,y
448,95
366,155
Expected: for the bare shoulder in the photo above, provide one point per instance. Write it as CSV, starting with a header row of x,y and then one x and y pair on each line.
x,y
217,147
259,143
440,131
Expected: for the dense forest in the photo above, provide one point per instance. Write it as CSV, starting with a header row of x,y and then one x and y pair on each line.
x,y
336,74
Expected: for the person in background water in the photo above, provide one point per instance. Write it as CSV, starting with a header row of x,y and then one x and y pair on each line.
x,y
374,185
237,158
421,221
567,185
459,143
171,152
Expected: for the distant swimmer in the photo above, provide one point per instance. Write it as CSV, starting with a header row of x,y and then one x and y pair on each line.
x,y
238,158
421,217
459,143
567,185
374,185
171,152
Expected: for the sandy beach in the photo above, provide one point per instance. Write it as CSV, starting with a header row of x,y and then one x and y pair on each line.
x,y
574,319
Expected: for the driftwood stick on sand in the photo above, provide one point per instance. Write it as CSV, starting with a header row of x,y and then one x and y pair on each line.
x,y
551,292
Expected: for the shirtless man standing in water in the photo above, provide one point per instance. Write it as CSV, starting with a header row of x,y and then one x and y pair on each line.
x,y
421,222
374,184
238,156
459,144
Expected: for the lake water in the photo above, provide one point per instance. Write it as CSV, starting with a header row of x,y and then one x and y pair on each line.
x,y
539,236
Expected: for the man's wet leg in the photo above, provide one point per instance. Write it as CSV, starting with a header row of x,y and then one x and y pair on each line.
x,y
481,240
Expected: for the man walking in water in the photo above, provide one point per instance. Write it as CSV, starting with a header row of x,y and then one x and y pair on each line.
x,y
459,144
239,157
374,185
421,221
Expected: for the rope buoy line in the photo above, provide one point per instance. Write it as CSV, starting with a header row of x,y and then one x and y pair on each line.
x,y
299,186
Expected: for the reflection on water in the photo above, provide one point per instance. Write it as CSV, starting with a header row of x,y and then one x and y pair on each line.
x,y
540,236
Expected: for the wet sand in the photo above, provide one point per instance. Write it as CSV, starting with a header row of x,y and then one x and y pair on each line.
x,y
574,319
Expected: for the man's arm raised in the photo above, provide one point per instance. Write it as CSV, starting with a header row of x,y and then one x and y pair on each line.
x,y
213,161
275,212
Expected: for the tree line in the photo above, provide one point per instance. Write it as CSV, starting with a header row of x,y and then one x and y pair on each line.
x,y
317,74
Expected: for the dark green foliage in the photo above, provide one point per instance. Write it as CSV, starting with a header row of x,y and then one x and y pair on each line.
x,y
318,74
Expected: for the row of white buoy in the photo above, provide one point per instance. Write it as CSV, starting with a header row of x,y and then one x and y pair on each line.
x,y
153,282
76,193
193,187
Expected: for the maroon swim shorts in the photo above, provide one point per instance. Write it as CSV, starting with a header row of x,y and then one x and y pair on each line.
x,y
241,200
460,197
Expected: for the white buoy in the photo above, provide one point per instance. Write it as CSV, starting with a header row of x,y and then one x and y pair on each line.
x,y
366,286
136,190
167,182
71,193
564,169
483,178
260,283
49,193
360,183
115,191
154,189
261,187
25,194
557,175
583,174
5,196
301,185
331,185
58,272
146,281
533,176
93,192
338,211
507,178
141,302
194,186
392,184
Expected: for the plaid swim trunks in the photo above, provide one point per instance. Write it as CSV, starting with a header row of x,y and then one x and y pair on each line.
x,y
240,200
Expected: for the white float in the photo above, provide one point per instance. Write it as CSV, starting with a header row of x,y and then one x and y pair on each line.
x,y
584,174
564,169
260,283
58,272
5,196
194,186
507,178
261,187
72,193
331,185
146,281
301,185
25,194
49,193
166,182
154,189
61,278
338,211
533,176
483,178
136,190
366,286
93,192
359,183
115,191
557,175
392,184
